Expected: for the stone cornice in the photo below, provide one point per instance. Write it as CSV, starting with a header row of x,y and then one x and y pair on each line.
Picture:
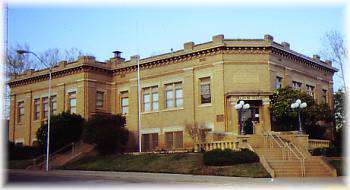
x,y
58,74
147,63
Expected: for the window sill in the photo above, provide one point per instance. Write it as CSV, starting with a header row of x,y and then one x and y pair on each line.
x,y
149,112
205,105
173,109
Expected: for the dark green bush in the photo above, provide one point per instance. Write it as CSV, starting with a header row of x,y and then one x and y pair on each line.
x,y
333,151
107,132
65,128
22,152
218,157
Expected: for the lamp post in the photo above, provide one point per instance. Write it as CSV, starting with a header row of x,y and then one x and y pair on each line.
x,y
240,107
21,52
298,105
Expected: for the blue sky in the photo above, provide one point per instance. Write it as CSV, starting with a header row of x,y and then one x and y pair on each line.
x,y
153,30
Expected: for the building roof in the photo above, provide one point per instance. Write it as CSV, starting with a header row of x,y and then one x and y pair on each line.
x,y
190,50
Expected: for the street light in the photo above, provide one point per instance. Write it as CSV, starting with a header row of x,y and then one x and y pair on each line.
x,y
21,52
240,107
298,105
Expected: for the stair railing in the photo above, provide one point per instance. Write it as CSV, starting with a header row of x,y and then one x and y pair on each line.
x,y
302,155
54,154
281,145
300,158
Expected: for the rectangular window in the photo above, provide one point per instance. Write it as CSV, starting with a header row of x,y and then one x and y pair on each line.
x,y
278,82
174,140
205,90
20,106
99,99
36,109
173,95
150,98
72,102
310,90
54,105
169,140
155,101
178,139
296,85
149,142
124,102
324,96
45,107
169,96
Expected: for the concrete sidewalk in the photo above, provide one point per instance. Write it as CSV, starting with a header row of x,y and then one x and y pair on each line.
x,y
137,178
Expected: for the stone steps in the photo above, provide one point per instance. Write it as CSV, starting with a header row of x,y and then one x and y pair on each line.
x,y
291,167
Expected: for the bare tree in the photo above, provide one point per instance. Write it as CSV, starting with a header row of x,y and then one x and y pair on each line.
x,y
335,50
197,133
72,54
51,57
17,64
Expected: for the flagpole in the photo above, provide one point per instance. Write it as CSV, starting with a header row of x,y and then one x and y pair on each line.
x,y
139,103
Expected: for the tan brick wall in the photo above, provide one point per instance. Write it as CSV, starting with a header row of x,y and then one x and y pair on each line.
x,y
243,71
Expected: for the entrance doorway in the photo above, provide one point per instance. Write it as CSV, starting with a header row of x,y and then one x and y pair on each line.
x,y
250,117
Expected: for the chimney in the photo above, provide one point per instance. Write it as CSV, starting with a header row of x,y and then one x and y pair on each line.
x,y
218,38
117,57
188,46
285,45
117,54
268,38
316,57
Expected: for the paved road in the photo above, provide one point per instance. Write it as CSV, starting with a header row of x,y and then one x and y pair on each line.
x,y
96,178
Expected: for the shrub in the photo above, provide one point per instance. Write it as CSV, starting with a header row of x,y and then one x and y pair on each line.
x,y
65,128
107,131
333,151
22,152
218,157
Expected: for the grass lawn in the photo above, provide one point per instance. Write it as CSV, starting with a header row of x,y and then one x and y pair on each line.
x,y
19,164
338,165
183,163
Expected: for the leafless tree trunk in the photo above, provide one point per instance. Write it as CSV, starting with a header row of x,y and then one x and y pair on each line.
x,y
197,133
335,50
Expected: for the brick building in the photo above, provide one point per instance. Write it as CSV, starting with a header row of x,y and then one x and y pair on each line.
x,y
199,84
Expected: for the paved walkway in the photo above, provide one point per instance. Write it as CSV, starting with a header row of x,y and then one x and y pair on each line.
x,y
100,178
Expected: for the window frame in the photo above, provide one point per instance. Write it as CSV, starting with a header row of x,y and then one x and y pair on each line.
x,y
205,81
124,95
53,104
100,99
310,90
324,96
150,91
278,81
44,104
175,99
72,96
20,112
36,109
299,85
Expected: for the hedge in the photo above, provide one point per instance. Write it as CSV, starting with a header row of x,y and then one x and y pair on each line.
x,y
218,157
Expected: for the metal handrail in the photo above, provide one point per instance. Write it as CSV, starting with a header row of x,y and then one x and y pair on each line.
x,y
303,157
278,143
302,160
54,154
